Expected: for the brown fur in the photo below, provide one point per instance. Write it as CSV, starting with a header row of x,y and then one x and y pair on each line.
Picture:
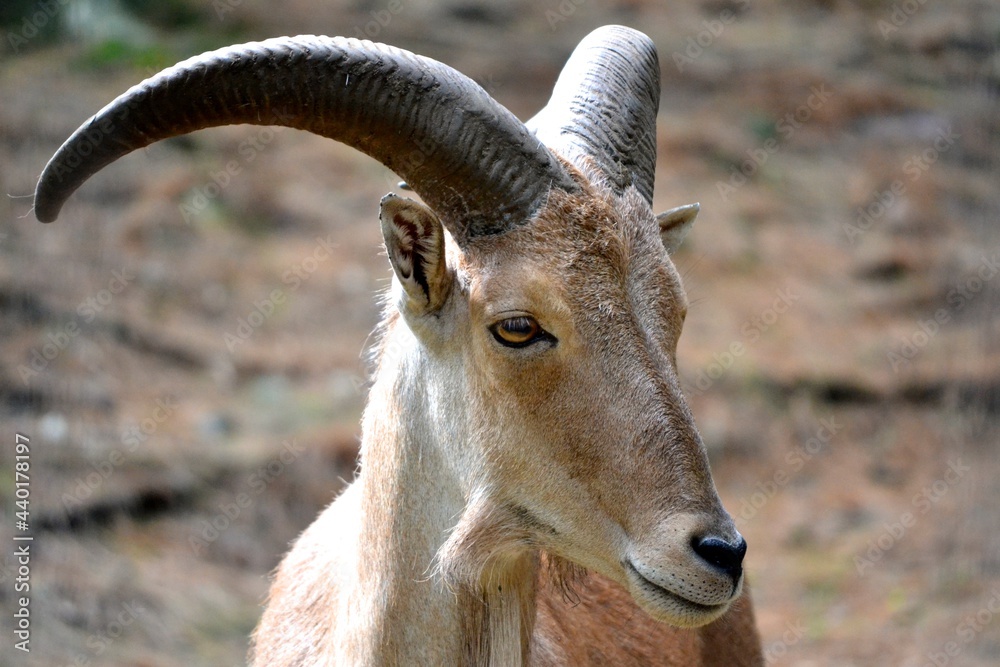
x,y
598,623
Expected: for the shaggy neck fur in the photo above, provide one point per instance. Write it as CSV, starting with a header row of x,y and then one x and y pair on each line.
x,y
446,577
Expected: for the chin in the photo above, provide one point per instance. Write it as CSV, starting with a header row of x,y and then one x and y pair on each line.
x,y
674,609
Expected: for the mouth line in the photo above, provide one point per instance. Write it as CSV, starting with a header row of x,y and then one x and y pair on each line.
x,y
660,591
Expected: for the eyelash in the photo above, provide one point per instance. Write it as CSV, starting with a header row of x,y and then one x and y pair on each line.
x,y
530,328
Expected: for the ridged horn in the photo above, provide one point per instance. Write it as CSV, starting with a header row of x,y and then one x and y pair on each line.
x,y
604,107
470,159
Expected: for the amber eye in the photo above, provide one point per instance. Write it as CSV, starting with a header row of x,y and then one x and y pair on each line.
x,y
519,331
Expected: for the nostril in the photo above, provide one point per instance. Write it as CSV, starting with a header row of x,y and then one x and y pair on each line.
x,y
723,555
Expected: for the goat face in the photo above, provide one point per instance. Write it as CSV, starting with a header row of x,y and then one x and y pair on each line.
x,y
554,344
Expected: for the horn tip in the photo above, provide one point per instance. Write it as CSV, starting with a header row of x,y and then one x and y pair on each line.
x,y
46,211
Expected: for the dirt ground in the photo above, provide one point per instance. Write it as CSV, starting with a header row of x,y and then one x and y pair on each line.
x,y
841,355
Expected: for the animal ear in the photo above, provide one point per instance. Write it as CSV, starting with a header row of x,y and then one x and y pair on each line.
x,y
414,239
675,224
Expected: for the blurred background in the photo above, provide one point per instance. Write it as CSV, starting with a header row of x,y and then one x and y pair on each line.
x,y
190,332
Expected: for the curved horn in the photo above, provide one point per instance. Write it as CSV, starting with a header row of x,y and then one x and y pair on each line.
x,y
604,107
470,159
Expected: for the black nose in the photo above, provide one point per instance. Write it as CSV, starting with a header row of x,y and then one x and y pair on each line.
x,y
723,555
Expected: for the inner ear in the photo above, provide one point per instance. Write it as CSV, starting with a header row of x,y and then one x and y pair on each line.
x,y
414,240
675,224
